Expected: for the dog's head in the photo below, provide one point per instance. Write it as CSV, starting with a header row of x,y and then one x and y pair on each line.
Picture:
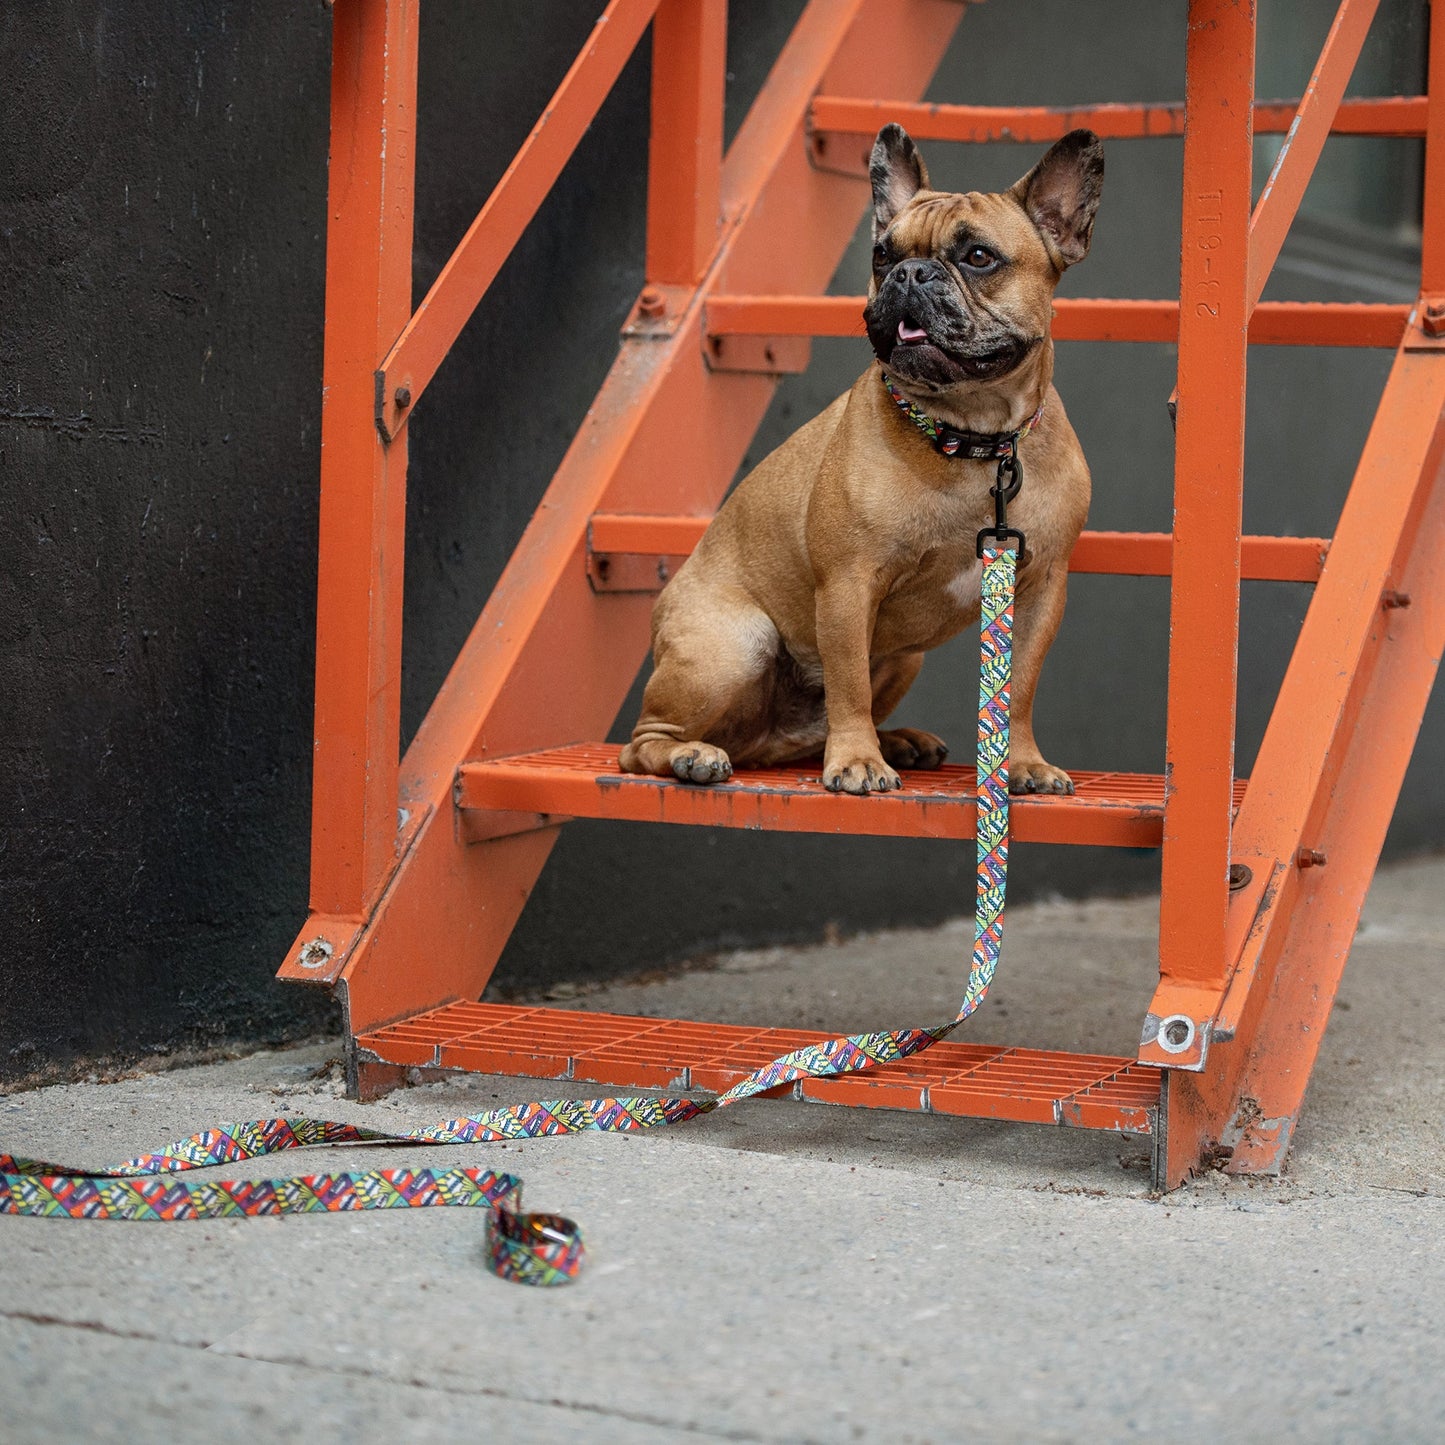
x,y
962,289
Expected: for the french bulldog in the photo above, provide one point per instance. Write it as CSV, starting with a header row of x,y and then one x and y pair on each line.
x,y
802,617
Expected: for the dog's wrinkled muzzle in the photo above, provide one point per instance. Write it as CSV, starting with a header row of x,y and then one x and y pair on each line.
x,y
917,325
919,330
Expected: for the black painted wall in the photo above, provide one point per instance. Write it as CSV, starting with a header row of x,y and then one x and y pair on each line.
x,y
162,217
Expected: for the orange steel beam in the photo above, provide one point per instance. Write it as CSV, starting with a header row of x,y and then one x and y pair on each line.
x,y
363,480
549,660
637,532
836,117
1432,248
1326,779
684,174
1284,190
1148,554
429,334
1274,323
1129,554
1208,495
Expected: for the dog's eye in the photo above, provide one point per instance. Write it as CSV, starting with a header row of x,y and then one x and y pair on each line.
x,y
979,258
882,252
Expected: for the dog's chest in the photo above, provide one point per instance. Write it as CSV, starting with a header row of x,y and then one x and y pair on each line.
x,y
966,586
940,577
932,602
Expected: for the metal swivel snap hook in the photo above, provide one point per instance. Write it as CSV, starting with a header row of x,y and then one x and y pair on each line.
x,y
1007,481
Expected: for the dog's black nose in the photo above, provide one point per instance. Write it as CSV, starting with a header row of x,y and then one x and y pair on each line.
x,y
917,272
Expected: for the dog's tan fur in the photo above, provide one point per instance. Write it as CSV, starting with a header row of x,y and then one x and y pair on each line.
x,y
802,617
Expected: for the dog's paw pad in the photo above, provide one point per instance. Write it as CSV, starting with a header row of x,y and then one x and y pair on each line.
x,y
702,763
863,775
1039,777
912,748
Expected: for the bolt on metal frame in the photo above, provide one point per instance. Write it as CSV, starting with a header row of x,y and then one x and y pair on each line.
x,y
421,868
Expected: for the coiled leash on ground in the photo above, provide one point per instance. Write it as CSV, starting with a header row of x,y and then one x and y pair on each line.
x,y
547,1249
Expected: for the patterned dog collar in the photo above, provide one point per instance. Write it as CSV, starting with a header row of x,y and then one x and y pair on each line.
x,y
949,441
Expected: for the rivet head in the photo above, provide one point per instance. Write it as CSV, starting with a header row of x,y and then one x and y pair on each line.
x,y
1239,876
403,397
652,302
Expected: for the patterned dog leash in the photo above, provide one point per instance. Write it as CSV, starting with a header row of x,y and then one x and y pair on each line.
x,y
546,1249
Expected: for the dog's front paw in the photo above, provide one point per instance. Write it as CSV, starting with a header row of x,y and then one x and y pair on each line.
x,y
860,775
1037,776
912,748
701,763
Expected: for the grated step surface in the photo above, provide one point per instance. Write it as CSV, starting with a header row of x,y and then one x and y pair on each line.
x,y
1123,810
984,1081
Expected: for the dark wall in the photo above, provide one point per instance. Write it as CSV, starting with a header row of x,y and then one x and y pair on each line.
x,y
162,217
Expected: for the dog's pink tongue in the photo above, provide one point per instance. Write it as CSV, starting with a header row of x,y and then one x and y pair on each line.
x,y
909,334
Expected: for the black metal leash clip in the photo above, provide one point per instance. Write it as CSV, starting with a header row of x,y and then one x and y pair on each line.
x,y
1009,479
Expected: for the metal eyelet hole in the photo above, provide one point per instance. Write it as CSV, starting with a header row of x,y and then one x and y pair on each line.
x,y
316,954
1176,1033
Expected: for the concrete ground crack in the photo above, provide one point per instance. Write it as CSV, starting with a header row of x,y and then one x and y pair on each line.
x,y
94,1327
579,1407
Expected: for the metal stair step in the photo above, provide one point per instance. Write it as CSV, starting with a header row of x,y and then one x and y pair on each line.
x,y
984,1081
1123,810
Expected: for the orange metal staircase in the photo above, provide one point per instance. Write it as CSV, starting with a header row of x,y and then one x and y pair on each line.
x,y
421,869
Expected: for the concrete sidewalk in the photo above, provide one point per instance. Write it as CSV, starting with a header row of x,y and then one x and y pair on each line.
x,y
787,1272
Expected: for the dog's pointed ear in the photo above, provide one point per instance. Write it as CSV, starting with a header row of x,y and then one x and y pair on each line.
x,y
898,174
1061,195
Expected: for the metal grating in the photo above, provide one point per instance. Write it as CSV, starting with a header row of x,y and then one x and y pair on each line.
x,y
583,781
1037,1086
